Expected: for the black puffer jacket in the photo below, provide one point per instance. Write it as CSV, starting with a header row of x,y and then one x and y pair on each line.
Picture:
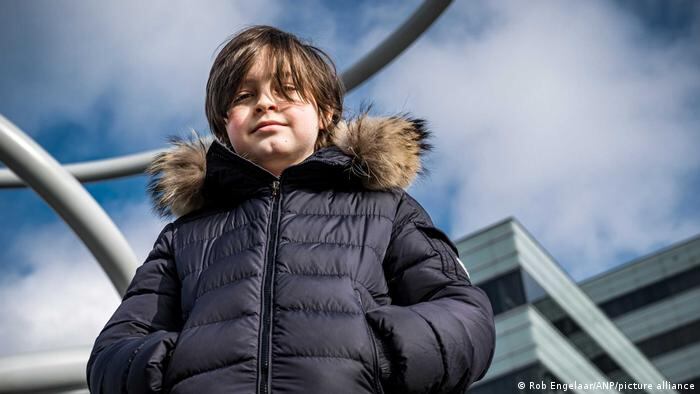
x,y
307,283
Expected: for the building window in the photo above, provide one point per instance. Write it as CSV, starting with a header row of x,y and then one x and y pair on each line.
x,y
651,293
639,298
505,292
668,341
676,338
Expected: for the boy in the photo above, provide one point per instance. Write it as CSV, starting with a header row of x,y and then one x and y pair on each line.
x,y
298,263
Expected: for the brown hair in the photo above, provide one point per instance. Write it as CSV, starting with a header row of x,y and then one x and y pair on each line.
x,y
312,71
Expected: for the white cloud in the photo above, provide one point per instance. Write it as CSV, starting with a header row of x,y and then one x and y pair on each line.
x,y
557,114
67,298
148,61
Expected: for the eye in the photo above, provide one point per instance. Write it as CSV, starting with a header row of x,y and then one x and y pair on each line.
x,y
288,87
241,97
291,91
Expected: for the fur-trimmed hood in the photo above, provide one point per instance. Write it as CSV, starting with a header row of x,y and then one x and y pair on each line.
x,y
379,152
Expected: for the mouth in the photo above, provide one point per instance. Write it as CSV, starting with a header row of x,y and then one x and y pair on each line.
x,y
264,125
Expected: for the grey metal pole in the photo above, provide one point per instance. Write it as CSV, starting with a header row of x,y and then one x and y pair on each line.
x,y
71,201
397,42
46,371
95,170
375,60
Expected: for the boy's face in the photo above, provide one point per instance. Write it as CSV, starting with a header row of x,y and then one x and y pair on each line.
x,y
277,146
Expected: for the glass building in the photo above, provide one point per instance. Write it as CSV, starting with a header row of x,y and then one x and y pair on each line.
x,y
618,332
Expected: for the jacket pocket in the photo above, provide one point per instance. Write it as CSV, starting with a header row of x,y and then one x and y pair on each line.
x,y
376,374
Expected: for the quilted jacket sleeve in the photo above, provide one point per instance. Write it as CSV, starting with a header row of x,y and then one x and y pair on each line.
x,y
439,329
131,352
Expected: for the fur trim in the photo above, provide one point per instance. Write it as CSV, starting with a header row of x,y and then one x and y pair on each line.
x,y
386,154
178,176
386,151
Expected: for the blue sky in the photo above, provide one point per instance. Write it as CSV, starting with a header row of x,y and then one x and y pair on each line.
x,y
580,119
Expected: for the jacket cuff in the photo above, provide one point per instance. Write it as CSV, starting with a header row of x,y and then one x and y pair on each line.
x,y
417,364
149,362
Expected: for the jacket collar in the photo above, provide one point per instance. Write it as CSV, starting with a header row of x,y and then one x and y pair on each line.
x,y
374,153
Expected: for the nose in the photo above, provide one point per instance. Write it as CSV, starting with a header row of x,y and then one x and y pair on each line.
x,y
265,103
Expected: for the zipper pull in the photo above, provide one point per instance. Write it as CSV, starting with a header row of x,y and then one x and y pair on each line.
x,y
275,188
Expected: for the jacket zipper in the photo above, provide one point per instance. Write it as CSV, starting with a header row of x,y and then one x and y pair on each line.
x,y
375,357
268,276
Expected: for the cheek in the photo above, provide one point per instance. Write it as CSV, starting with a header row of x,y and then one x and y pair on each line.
x,y
235,125
305,118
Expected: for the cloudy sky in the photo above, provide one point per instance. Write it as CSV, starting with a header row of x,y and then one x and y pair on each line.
x,y
580,119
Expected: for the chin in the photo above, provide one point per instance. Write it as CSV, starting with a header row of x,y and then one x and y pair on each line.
x,y
275,148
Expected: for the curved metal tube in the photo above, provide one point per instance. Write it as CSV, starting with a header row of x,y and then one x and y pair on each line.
x,y
359,72
95,170
40,372
71,201
397,42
